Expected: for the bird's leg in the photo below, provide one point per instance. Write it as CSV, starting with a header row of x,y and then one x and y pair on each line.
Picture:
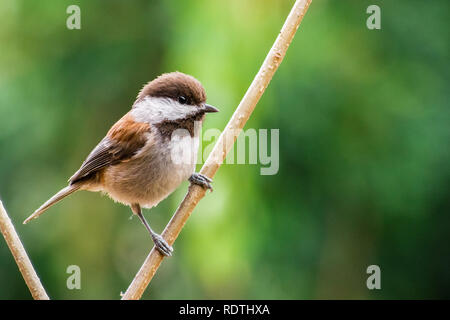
x,y
160,244
201,180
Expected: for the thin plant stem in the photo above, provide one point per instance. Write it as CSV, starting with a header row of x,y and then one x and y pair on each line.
x,y
222,147
21,257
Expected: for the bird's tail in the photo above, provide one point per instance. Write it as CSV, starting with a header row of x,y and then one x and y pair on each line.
x,y
57,197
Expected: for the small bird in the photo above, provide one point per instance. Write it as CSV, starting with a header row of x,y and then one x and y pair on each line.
x,y
137,162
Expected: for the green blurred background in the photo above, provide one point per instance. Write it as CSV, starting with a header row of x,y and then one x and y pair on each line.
x,y
364,155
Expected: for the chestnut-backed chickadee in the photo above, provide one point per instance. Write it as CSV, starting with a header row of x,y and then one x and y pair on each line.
x,y
134,163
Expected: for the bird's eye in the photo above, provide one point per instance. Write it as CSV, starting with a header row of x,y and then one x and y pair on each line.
x,y
182,99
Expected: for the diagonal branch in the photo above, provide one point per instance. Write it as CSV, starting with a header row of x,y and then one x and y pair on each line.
x,y
222,147
20,255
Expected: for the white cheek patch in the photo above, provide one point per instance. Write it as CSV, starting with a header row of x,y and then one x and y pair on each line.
x,y
154,110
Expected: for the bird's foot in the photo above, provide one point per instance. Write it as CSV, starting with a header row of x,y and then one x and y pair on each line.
x,y
161,245
201,180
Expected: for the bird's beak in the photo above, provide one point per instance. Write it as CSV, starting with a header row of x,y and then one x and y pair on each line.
x,y
209,108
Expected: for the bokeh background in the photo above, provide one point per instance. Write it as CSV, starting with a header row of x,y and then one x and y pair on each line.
x,y
364,147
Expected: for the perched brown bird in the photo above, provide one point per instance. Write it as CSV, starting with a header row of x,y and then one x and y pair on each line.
x,y
138,162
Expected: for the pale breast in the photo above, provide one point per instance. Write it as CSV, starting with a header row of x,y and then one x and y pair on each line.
x,y
154,172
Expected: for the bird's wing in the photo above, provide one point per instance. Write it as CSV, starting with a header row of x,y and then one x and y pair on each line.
x,y
123,141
